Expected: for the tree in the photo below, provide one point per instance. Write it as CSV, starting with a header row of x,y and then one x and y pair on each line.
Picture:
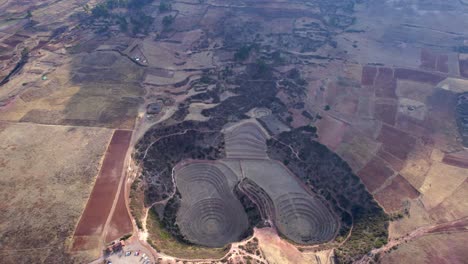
x,y
25,52
123,24
29,14
243,53
165,7
100,11
167,21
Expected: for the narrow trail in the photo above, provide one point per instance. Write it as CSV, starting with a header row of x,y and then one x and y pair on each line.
x,y
459,225
173,134
293,151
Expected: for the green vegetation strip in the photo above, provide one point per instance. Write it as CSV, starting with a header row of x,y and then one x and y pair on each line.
x,y
164,242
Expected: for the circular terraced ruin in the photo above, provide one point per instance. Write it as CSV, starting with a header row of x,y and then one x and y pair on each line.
x,y
304,219
209,215
245,141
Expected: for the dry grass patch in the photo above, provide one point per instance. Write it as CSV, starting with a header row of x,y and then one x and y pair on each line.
x,y
47,174
438,248
441,181
95,89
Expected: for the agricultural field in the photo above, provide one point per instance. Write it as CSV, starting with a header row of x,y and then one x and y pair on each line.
x,y
92,224
60,100
47,177
243,132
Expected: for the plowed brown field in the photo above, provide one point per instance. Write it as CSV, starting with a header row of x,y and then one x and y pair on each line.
x,y
100,203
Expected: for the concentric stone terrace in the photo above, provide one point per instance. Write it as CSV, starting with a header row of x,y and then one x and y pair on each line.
x,y
246,141
209,215
299,215
304,219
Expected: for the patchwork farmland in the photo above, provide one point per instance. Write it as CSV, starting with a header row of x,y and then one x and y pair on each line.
x,y
236,132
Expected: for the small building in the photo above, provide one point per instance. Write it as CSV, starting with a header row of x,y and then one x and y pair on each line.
x,y
153,109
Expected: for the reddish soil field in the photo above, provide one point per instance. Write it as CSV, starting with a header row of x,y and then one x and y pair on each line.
x,y
464,68
385,112
428,60
368,75
14,40
81,243
331,131
442,64
6,57
395,163
418,76
348,105
456,159
104,191
120,224
385,84
412,125
298,118
396,142
375,173
332,93
393,196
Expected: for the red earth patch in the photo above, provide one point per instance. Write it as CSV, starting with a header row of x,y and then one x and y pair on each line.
x,y
393,196
396,142
459,159
385,112
394,162
428,59
463,68
105,189
375,173
331,131
412,126
442,64
418,76
385,84
368,75
121,223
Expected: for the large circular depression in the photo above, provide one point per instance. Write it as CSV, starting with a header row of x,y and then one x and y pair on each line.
x,y
303,219
211,222
210,215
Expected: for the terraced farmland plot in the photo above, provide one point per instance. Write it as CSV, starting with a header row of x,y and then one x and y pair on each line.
x,y
300,216
245,141
210,214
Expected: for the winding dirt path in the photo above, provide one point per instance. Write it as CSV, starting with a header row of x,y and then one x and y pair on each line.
x,y
459,225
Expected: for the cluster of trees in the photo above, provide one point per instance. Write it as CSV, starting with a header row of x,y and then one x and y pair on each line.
x,y
165,6
134,15
243,53
167,21
327,174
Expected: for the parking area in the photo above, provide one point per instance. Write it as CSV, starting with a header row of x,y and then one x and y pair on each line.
x,y
129,255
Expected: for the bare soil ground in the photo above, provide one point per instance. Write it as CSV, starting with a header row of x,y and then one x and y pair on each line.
x,y
47,177
120,223
102,197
